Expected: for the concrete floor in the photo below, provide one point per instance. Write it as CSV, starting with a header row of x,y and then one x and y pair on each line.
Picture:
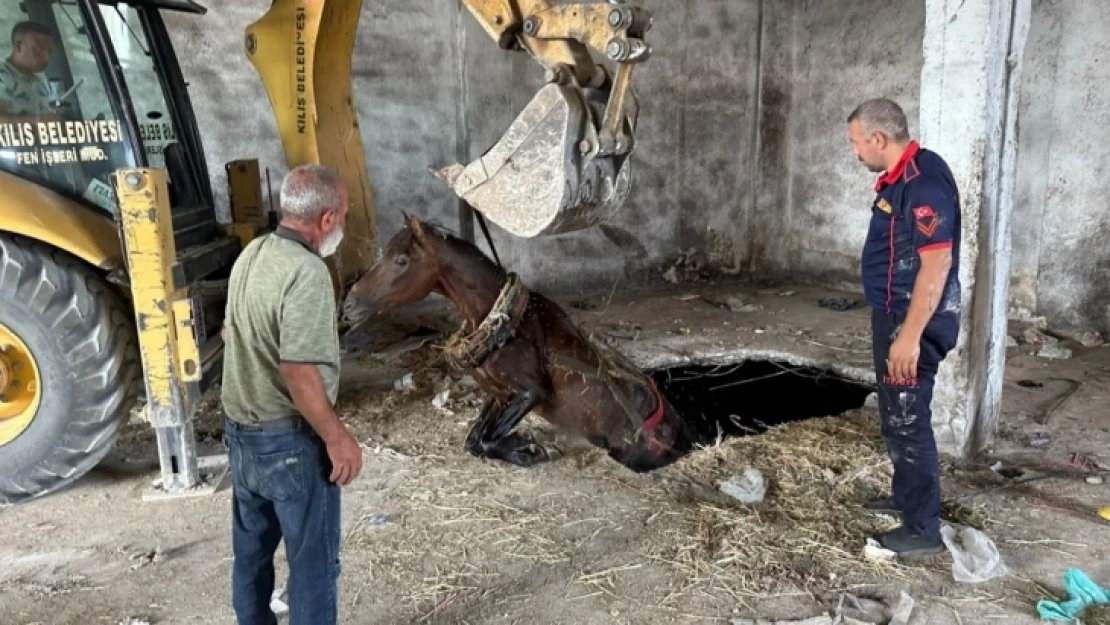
x,y
96,553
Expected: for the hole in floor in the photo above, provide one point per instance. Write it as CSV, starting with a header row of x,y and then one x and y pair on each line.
x,y
751,396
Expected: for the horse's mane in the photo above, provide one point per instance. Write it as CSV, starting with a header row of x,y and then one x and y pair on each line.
x,y
460,246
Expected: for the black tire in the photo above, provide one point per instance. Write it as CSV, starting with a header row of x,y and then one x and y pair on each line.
x,y
83,341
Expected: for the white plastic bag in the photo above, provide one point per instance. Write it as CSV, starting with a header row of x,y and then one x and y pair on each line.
x,y
748,488
975,557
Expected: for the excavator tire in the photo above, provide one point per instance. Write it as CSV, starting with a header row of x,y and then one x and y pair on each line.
x,y
81,342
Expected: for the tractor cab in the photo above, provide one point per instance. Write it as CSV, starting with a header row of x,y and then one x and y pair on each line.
x,y
88,87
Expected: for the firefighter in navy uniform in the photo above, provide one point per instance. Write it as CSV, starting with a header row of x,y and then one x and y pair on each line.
x,y
910,267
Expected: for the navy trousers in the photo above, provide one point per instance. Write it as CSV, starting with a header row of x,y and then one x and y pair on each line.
x,y
907,418
281,492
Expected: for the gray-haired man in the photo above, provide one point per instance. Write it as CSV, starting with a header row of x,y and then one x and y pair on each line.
x,y
287,449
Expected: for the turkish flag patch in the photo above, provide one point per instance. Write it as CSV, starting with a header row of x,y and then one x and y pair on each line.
x,y
926,220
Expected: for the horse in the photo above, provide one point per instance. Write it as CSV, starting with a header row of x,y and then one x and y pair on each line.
x,y
525,353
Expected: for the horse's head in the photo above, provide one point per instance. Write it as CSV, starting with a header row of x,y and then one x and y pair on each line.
x,y
408,271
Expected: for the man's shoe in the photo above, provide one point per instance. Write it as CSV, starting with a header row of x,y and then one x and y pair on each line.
x,y
884,505
906,544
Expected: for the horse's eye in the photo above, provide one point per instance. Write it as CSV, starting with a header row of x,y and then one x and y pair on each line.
x,y
401,260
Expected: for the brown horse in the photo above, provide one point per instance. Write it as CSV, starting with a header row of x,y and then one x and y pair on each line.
x,y
526,354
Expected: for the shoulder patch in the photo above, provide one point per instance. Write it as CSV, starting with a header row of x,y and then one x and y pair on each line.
x,y
926,219
884,206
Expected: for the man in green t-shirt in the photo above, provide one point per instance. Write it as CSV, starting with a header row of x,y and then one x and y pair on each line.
x,y
288,451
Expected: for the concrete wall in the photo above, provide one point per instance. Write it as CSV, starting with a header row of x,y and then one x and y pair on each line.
x,y
846,52
1061,221
421,69
742,148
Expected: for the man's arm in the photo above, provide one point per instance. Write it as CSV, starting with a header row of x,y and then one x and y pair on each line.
x,y
932,215
306,329
927,291
307,389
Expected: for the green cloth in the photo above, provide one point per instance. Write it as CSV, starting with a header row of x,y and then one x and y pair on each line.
x,y
23,94
1082,594
280,308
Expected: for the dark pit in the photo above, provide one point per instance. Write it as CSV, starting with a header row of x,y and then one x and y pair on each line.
x,y
752,396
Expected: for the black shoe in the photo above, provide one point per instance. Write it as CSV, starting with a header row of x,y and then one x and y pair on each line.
x,y
906,544
884,505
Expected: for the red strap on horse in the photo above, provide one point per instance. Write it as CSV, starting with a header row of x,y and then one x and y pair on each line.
x,y
656,417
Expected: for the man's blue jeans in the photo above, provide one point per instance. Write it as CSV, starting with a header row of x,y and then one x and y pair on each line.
x,y
281,491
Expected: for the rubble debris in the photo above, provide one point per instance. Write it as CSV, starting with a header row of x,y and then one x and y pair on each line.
x,y
1054,352
1033,336
975,557
690,266
1091,339
838,303
851,610
671,275
153,556
1040,439
903,610
468,381
441,399
377,520
748,488
403,383
1083,462
875,552
872,401
1094,480
134,621
862,611
733,303
1049,345
824,619
1011,341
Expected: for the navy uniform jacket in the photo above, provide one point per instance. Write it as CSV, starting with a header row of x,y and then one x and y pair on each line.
x,y
917,209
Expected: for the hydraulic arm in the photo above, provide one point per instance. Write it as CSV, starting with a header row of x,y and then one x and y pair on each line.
x,y
564,162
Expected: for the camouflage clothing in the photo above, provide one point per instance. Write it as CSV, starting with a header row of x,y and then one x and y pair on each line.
x,y
24,95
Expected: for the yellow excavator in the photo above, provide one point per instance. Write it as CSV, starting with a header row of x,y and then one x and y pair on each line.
x,y
113,264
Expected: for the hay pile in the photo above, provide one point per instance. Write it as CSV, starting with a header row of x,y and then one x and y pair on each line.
x,y
810,530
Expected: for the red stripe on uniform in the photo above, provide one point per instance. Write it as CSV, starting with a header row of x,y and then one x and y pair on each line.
x,y
890,268
935,246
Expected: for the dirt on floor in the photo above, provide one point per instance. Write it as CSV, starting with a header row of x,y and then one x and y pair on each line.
x,y
434,535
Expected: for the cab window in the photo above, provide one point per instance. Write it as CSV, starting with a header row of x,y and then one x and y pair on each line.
x,y
131,43
58,125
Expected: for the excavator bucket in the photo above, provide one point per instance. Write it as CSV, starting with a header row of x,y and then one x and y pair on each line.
x,y
548,173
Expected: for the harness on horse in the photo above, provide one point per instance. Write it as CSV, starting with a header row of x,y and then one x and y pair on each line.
x,y
471,350
500,325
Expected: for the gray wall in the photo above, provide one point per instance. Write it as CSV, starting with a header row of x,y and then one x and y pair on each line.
x,y
1061,224
742,148
845,52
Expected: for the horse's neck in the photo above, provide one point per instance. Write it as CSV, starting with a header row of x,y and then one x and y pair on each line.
x,y
471,286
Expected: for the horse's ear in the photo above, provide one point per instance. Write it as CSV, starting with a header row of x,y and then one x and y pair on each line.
x,y
416,228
